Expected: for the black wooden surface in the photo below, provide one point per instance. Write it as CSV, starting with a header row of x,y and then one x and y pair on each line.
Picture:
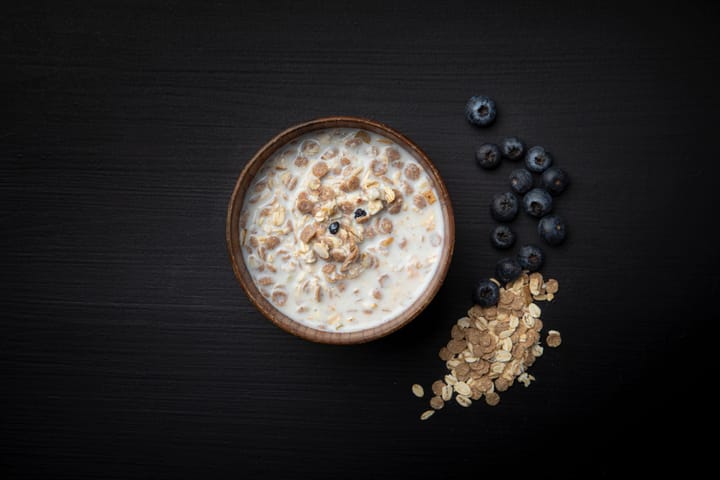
x,y
127,348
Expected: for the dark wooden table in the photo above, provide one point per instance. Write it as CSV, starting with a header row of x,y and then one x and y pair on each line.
x,y
127,348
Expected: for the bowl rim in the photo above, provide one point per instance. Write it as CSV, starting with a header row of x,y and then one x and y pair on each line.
x,y
232,233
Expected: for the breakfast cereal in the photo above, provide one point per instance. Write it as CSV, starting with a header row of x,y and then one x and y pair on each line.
x,y
342,229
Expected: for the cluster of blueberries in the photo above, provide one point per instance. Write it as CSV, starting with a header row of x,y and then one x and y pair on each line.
x,y
536,201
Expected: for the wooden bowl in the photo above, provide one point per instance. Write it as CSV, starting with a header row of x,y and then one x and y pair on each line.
x,y
266,308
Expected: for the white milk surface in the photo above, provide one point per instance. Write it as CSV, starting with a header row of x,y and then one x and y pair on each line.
x,y
373,266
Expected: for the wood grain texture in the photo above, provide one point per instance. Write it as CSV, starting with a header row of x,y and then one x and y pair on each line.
x,y
127,349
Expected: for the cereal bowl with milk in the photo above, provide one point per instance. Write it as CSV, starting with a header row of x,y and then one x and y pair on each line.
x,y
340,230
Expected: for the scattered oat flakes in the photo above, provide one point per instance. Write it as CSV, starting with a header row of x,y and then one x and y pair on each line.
x,y
553,339
426,414
436,403
456,333
492,347
462,369
456,346
492,398
463,388
525,378
501,384
445,354
447,392
418,390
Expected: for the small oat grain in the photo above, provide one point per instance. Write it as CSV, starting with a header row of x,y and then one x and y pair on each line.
x,y
463,388
553,339
492,398
437,387
418,390
427,414
447,392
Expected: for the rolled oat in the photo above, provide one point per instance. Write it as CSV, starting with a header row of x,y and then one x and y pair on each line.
x,y
553,339
426,414
436,403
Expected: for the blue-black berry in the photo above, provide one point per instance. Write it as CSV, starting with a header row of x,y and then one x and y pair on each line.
x,y
531,258
555,180
334,227
504,207
507,270
360,213
521,180
488,156
538,160
512,148
537,202
486,293
480,110
502,237
552,229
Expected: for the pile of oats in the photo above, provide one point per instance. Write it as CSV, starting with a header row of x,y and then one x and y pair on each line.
x,y
492,347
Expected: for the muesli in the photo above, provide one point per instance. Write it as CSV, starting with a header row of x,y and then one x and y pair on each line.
x,y
342,229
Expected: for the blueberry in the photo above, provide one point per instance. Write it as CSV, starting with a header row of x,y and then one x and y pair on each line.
x,y
512,148
521,180
538,160
537,202
531,258
486,293
507,270
334,227
502,237
552,229
555,180
360,213
488,156
504,207
480,110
